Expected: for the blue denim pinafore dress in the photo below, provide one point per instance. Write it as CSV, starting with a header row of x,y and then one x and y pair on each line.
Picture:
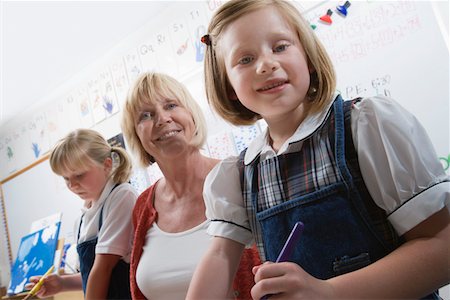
x,y
119,284
320,185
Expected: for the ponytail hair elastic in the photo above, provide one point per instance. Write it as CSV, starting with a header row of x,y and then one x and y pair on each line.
x,y
206,40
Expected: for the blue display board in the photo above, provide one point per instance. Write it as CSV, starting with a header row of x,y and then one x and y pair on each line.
x,y
35,256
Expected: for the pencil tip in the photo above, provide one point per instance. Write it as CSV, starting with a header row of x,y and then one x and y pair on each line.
x,y
27,296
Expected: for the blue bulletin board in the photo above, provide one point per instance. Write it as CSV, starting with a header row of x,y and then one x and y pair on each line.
x,y
35,256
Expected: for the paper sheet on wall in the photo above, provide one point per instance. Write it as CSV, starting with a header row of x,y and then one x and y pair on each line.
x,y
44,222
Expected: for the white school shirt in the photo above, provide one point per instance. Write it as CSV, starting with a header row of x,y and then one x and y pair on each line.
x,y
397,160
115,236
169,260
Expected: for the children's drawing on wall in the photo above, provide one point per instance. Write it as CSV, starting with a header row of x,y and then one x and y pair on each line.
x,y
35,146
199,46
36,149
108,93
38,135
9,151
108,103
102,96
197,22
147,55
221,145
243,135
132,65
82,98
35,256
119,78
53,124
183,47
96,101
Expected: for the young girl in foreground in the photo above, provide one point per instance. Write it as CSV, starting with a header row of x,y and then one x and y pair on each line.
x,y
104,232
361,175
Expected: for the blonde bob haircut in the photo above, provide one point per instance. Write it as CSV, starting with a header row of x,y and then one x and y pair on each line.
x,y
218,87
148,89
83,148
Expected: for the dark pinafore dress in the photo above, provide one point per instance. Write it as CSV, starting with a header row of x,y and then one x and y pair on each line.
x,y
119,284
320,184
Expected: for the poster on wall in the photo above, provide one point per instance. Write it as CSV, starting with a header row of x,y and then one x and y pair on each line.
x,y
132,65
117,141
182,46
197,23
120,80
38,135
81,97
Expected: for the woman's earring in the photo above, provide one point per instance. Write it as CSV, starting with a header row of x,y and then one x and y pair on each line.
x,y
313,86
312,92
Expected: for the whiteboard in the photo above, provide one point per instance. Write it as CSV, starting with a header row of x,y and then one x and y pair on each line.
x,y
35,194
396,49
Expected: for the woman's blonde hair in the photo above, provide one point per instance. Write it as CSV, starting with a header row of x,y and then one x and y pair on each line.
x,y
217,84
148,89
82,148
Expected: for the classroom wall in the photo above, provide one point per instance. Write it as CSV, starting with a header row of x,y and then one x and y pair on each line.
x,y
396,48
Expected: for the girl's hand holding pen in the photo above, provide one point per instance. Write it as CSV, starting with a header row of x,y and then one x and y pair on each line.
x,y
287,280
52,285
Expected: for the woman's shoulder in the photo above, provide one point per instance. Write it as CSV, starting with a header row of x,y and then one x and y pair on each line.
x,y
143,209
144,198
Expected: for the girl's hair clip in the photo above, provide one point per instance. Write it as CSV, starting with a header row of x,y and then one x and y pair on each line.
x,y
206,40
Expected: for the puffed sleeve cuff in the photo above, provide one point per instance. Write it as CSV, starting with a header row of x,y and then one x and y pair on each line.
x,y
231,231
420,207
224,203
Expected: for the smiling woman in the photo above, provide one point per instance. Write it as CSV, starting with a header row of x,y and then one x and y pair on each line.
x,y
153,101
162,123
151,123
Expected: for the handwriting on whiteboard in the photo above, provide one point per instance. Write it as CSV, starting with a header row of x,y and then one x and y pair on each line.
x,y
379,86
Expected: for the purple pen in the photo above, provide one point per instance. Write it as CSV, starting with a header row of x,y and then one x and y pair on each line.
x,y
289,246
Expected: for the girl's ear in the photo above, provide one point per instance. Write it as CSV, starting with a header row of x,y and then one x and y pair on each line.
x,y
107,164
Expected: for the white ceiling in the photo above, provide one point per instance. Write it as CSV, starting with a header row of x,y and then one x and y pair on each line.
x,y
45,43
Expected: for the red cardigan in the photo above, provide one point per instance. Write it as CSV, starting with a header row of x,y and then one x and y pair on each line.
x,y
144,214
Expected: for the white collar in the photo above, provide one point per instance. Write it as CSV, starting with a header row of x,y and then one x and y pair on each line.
x,y
260,145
